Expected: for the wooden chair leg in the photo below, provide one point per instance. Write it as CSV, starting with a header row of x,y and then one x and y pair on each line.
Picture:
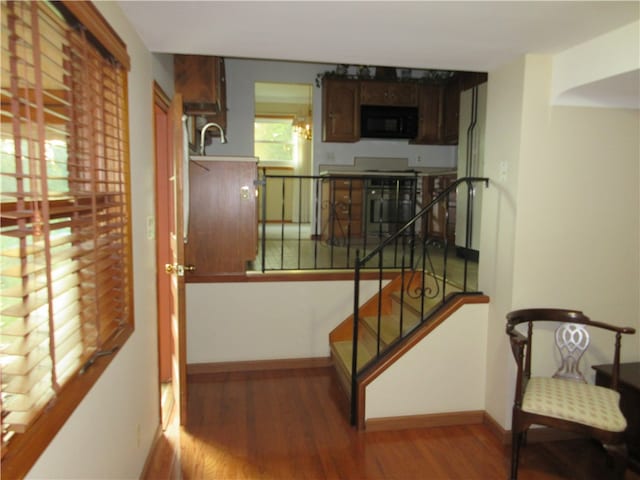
x,y
618,454
516,440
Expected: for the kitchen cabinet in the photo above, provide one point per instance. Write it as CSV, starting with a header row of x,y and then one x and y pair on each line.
x,y
201,81
451,112
342,208
396,94
429,115
441,224
340,110
223,223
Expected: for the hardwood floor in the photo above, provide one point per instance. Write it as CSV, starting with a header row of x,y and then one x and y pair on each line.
x,y
292,424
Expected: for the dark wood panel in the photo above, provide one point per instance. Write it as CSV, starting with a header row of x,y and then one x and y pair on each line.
x,y
223,231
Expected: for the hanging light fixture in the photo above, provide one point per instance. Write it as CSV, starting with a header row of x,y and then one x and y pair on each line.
x,y
302,125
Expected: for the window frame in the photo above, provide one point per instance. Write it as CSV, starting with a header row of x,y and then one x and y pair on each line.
x,y
278,162
23,450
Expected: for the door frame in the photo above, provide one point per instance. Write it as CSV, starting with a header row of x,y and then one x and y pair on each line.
x,y
163,171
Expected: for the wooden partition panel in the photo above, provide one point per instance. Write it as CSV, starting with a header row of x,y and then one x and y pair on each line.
x,y
223,228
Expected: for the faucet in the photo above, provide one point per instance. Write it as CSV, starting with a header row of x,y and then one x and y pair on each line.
x,y
204,130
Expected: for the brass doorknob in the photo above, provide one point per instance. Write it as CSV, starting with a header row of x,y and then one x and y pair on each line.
x,y
172,268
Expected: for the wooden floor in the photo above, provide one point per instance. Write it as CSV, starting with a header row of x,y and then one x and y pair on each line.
x,y
292,425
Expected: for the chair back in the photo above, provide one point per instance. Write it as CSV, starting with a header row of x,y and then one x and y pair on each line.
x,y
572,340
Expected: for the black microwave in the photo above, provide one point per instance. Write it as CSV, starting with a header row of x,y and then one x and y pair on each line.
x,y
388,122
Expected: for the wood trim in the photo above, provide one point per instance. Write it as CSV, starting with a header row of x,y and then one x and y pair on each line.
x,y
258,365
440,316
425,421
288,276
149,461
87,14
24,449
501,434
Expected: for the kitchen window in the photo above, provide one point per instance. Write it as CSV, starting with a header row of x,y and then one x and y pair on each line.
x,y
274,140
65,264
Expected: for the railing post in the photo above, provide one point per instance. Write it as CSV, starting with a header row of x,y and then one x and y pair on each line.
x,y
469,230
354,358
263,240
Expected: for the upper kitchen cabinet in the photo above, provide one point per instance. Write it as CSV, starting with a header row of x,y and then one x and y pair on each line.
x,y
451,111
397,94
439,108
429,114
340,110
201,81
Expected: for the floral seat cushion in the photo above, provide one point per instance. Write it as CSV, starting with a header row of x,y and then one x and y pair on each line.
x,y
574,401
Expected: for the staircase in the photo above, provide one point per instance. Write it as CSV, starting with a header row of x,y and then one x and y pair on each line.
x,y
400,314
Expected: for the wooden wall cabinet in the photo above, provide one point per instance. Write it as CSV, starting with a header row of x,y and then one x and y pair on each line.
x,y
397,94
342,208
202,82
223,221
451,112
429,114
438,105
340,110
439,226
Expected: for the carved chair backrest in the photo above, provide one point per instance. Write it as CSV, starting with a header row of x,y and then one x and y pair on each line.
x,y
572,339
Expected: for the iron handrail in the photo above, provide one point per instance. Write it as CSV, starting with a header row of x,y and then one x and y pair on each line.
x,y
360,263
429,206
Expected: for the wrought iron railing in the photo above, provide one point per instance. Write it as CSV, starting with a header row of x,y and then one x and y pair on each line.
x,y
426,282
318,222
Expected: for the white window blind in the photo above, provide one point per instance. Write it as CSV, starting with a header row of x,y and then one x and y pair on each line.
x,y
65,262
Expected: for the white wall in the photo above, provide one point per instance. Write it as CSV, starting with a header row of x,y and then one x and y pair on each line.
x,y
576,76
241,76
444,372
562,228
111,431
266,321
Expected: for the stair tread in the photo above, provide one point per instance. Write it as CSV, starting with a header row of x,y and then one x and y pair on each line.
x,y
390,326
343,351
429,303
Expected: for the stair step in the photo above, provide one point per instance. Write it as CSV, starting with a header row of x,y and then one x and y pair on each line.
x,y
343,355
390,326
415,304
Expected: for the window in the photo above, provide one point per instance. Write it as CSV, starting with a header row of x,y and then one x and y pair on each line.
x,y
275,140
65,262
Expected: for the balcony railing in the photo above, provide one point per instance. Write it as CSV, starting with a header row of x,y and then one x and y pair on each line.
x,y
318,222
311,223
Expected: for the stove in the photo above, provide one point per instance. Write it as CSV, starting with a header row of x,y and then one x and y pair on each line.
x,y
390,202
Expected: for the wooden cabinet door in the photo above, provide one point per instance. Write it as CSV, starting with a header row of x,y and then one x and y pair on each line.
x,y
340,110
395,94
195,78
403,94
202,82
451,113
429,115
223,227
374,93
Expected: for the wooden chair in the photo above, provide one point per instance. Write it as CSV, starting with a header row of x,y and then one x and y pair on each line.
x,y
565,401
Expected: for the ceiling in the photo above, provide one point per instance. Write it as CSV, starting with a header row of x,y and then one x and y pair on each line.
x,y
451,35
